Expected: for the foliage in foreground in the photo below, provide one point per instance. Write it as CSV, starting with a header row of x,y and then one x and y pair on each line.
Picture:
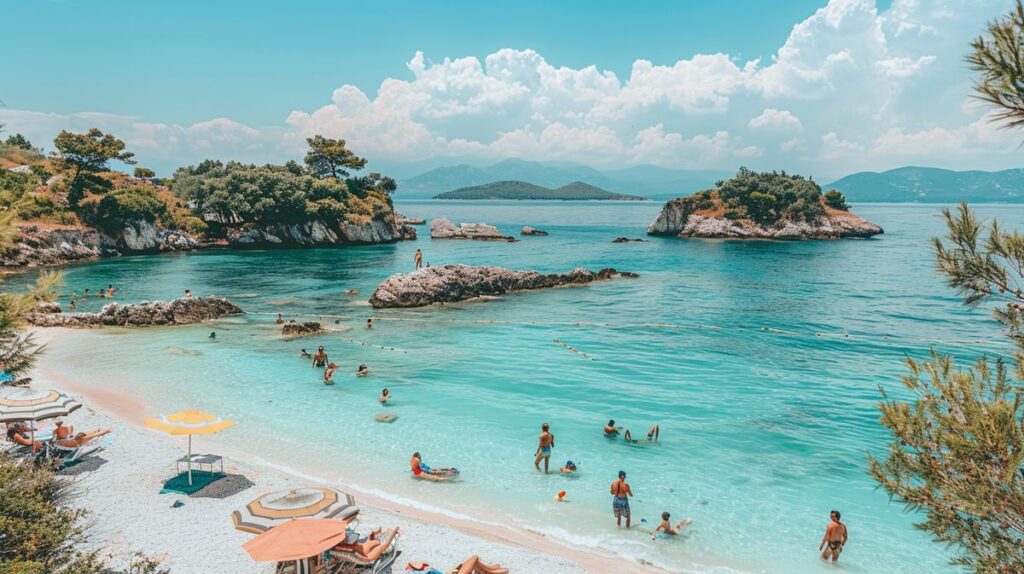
x,y
958,449
999,58
40,532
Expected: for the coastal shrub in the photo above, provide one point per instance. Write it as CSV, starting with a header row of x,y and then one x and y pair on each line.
x,y
143,173
40,532
836,200
768,197
122,207
18,141
957,450
83,156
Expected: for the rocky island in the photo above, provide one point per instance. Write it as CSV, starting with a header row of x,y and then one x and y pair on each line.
x,y
442,228
451,283
767,205
182,311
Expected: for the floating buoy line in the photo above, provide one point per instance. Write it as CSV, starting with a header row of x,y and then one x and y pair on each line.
x,y
574,350
841,336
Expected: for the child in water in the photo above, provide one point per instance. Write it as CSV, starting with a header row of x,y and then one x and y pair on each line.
x,y
569,468
384,396
362,371
668,527
329,374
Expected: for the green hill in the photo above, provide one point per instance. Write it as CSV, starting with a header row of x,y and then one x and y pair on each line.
x,y
575,191
934,185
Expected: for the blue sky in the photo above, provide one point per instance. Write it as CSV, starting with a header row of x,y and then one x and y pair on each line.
x,y
820,87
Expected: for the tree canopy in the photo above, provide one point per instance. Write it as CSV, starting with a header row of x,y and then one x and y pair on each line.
x,y
331,158
85,155
999,59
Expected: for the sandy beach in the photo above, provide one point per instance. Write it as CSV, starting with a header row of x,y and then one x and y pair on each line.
x,y
121,492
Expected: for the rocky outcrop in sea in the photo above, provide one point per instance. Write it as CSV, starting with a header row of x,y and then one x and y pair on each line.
x,y
405,220
37,245
677,218
531,231
183,311
303,329
442,228
451,283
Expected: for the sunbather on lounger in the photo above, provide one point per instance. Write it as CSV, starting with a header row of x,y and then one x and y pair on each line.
x,y
473,565
18,433
80,439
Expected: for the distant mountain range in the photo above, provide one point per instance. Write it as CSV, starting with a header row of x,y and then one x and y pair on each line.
x,y
574,191
933,185
644,180
900,185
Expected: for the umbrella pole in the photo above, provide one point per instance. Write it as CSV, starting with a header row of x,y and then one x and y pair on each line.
x,y
190,460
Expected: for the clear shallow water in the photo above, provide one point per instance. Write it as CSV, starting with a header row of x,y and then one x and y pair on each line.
x,y
767,408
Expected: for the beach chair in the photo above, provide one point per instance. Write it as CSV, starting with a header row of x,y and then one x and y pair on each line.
x,y
70,455
366,558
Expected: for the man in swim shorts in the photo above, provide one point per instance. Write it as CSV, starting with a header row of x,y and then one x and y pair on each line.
x,y
620,499
320,358
834,539
547,440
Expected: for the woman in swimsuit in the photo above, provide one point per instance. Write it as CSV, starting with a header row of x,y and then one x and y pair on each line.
x,y
18,434
362,371
384,396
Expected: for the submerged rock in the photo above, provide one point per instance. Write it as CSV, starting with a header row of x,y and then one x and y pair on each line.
x,y
627,240
451,283
531,231
443,228
183,311
294,329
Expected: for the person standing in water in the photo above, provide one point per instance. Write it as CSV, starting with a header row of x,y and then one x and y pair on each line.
x,y
546,442
319,358
621,492
834,540
329,374
280,319
418,258
188,292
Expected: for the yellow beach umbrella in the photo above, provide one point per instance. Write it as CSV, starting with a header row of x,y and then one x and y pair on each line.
x,y
189,422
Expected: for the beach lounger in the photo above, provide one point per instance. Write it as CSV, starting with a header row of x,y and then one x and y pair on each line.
x,y
370,558
70,455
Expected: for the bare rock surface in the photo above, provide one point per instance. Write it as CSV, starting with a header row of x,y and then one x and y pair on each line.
x,y
678,219
183,311
451,283
443,228
532,231
303,329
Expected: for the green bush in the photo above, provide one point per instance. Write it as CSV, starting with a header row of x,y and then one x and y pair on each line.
x,y
122,207
768,197
836,200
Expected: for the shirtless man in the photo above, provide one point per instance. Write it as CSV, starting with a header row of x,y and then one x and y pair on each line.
x,y
63,431
834,539
621,492
610,429
547,440
418,258
280,319
319,358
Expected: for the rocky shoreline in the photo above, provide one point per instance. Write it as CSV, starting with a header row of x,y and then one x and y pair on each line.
x,y
442,228
452,283
182,311
39,245
678,219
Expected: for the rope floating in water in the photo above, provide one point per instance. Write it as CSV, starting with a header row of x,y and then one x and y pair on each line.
x,y
574,350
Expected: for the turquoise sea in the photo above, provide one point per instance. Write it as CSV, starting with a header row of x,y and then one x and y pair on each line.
x,y
761,361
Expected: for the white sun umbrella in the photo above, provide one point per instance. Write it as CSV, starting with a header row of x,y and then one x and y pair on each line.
x,y
20,404
274,508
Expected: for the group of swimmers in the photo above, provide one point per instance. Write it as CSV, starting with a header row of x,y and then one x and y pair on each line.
x,y
107,293
321,361
63,435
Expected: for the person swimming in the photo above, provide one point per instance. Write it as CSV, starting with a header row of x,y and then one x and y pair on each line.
x,y
569,468
362,371
329,374
280,319
652,435
320,358
369,323
610,429
110,290
305,354
352,292
213,334
384,396
668,527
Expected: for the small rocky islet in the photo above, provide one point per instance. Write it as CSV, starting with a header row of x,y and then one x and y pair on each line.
x,y
453,283
766,205
181,311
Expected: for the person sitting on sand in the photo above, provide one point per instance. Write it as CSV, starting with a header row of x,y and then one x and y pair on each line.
x,y
18,433
384,396
610,429
320,358
305,354
80,439
668,527
280,319
329,374
569,468
362,371
652,435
